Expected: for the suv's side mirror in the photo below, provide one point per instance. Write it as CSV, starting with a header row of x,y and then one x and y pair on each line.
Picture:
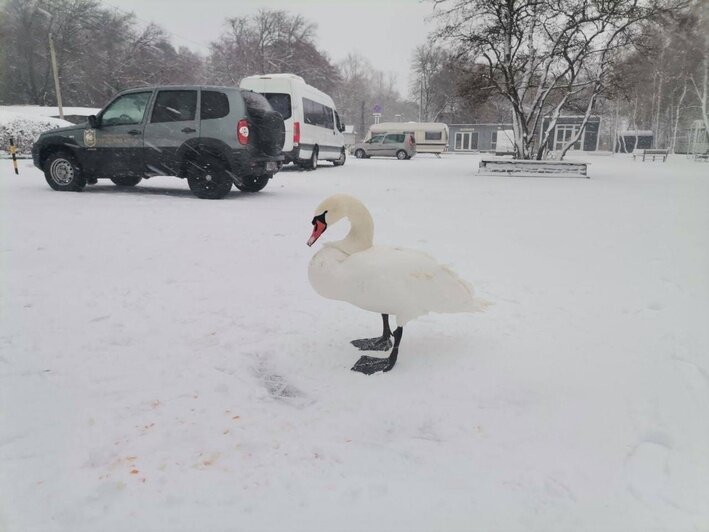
x,y
93,121
341,127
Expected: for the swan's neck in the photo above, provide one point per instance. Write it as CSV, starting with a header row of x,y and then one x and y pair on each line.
x,y
361,235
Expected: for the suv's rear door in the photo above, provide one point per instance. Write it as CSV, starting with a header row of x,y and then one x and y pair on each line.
x,y
173,122
117,148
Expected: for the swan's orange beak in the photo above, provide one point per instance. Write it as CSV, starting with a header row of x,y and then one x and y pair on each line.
x,y
319,226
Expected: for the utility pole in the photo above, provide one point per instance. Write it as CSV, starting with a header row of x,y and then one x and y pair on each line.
x,y
361,121
420,99
58,89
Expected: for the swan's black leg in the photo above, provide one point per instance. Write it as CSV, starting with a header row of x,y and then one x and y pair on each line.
x,y
369,365
382,343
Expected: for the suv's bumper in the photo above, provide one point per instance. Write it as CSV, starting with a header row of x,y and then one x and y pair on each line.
x,y
35,155
244,163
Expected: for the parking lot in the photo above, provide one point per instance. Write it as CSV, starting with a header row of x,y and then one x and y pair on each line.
x,y
164,360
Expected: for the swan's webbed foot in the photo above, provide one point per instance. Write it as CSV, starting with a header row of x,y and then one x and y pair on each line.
x,y
371,365
382,343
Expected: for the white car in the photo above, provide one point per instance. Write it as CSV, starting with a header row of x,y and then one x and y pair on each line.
x,y
313,127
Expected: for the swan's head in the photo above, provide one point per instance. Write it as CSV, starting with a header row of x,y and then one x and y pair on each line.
x,y
329,212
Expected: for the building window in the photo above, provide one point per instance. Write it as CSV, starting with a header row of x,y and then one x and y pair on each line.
x,y
564,133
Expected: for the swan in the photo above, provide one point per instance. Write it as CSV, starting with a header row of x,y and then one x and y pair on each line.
x,y
390,281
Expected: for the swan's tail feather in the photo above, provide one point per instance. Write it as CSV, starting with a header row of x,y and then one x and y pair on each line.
x,y
479,305
467,300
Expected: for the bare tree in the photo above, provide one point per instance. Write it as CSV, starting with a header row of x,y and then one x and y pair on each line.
x,y
700,78
99,52
539,54
270,41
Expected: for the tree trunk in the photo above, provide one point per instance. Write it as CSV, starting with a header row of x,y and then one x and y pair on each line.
x,y
677,115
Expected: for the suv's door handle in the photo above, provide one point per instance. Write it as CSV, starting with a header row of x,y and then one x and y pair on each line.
x,y
134,132
188,130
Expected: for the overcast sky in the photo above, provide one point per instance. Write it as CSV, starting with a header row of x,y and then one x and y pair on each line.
x,y
384,31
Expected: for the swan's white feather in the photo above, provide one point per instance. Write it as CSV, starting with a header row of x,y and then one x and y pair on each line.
x,y
397,281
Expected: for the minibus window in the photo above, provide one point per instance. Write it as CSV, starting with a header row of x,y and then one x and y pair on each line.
x,y
280,103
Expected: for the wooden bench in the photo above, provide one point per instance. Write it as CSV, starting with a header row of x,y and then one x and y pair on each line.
x,y
701,157
530,168
651,153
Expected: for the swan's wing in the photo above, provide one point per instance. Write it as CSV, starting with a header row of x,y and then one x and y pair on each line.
x,y
408,282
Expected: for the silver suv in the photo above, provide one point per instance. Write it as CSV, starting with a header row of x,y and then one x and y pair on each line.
x,y
399,145
215,137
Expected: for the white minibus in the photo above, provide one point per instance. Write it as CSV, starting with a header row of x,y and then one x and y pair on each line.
x,y
313,127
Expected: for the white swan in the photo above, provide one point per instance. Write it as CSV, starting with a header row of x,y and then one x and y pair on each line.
x,y
401,282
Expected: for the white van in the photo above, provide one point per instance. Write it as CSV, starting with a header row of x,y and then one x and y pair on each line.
x,y
313,127
430,137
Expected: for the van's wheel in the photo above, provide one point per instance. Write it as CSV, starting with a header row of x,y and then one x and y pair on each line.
x,y
313,162
62,172
126,181
359,154
253,183
341,159
401,155
209,179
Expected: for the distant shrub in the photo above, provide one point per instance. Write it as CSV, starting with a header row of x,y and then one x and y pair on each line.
x,y
24,130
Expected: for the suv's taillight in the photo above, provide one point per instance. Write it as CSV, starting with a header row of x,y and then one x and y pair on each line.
x,y
242,131
296,133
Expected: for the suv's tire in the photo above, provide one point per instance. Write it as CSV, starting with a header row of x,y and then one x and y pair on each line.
x,y
401,155
253,183
341,160
312,163
209,179
62,172
360,153
126,181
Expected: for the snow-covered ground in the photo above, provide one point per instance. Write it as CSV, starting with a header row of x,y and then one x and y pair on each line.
x,y
165,365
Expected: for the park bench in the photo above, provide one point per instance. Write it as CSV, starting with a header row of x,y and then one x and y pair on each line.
x,y
703,157
529,168
651,153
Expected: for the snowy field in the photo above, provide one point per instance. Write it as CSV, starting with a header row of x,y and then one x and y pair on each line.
x,y
165,365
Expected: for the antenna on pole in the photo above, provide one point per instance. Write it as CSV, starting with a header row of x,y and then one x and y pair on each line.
x,y
55,70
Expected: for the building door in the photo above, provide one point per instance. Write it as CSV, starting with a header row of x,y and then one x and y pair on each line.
x,y
466,141
564,133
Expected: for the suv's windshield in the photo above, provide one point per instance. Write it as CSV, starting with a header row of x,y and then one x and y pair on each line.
x,y
126,110
280,103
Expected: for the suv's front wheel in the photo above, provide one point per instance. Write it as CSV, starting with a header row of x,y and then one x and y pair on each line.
x,y
253,183
210,180
62,172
